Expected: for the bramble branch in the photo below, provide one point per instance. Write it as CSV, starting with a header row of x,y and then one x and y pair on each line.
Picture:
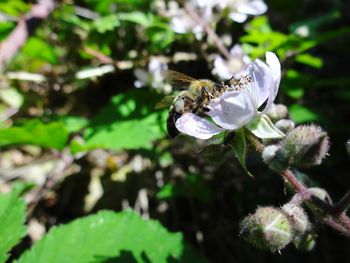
x,y
211,33
25,27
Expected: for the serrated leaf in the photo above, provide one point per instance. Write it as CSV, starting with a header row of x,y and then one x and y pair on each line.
x,y
109,236
263,128
12,217
239,147
128,122
50,135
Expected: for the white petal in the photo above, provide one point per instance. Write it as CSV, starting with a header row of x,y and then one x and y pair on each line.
x,y
255,8
275,66
196,126
221,68
232,110
262,80
238,17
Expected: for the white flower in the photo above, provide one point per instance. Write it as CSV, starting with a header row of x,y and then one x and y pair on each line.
x,y
235,109
235,66
154,76
240,9
181,22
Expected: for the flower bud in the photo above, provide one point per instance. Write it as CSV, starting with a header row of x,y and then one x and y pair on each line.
x,y
277,112
305,243
297,218
275,158
347,145
321,193
306,145
267,229
285,125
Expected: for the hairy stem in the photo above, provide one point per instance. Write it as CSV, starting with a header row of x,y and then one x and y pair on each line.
x,y
339,222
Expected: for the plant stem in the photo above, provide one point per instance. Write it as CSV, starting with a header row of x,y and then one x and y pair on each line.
x,y
339,222
211,33
343,204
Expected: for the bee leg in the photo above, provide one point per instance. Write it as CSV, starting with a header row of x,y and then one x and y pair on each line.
x,y
208,92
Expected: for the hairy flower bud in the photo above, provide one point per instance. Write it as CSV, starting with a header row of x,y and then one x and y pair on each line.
x,y
297,218
321,193
277,112
305,243
306,145
268,229
275,158
285,125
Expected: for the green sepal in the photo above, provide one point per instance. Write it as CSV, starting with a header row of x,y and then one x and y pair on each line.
x,y
263,128
239,147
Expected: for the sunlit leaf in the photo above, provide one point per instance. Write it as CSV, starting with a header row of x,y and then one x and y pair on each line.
x,y
40,49
128,122
106,23
12,217
51,135
309,60
112,237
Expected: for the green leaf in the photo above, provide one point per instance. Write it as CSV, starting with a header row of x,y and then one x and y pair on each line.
x,y
240,149
128,122
301,114
51,135
137,17
309,60
72,123
12,217
38,48
106,23
14,7
263,128
110,236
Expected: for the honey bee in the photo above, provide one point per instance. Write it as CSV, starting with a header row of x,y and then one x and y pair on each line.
x,y
194,97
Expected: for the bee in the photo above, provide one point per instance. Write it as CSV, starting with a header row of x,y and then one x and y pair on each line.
x,y
194,97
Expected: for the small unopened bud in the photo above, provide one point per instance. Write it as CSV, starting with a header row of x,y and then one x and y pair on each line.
x,y
306,145
297,218
285,125
305,243
321,193
277,112
275,158
267,229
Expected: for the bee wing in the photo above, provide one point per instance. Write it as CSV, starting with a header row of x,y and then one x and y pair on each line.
x,y
165,102
178,79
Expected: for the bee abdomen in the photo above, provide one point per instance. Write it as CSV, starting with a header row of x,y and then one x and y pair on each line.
x,y
171,127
